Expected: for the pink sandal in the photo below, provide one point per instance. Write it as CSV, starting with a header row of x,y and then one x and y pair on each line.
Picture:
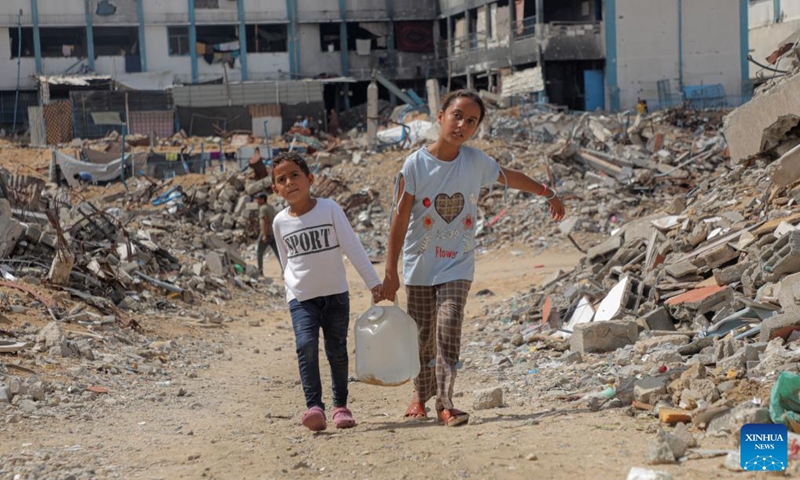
x,y
314,419
343,418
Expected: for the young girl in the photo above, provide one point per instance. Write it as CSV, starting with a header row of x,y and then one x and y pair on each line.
x,y
311,234
437,206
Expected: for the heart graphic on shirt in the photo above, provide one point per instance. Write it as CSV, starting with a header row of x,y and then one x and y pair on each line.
x,y
449,206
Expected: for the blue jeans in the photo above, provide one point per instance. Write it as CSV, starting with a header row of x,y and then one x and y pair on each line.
x,y
331,314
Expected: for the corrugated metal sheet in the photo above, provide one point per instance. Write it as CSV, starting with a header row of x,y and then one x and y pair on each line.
x,y
246,94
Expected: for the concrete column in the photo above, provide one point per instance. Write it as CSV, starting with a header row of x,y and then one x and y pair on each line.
x,y
37,41
611,55
434,101
372,113
776,11
390,47
89,36
242,39
539,14
142,35
343,40
291,33
193,41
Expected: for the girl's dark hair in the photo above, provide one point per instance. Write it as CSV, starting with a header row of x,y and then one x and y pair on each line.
x,y
293,157
464,93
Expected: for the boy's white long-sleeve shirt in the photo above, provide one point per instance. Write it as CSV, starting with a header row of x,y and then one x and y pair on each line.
x,y
311,248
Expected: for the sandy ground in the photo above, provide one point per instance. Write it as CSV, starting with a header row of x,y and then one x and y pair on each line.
x,y
241,416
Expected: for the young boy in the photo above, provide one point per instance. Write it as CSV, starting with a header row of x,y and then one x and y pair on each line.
x,y
312,233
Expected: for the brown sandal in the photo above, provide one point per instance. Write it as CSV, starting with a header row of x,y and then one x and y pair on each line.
x,y
453,417
416,411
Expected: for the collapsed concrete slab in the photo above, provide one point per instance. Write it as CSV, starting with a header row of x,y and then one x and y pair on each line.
x,y
10,233
745,127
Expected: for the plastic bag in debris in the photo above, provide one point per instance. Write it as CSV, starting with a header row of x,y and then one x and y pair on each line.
x,y
784,403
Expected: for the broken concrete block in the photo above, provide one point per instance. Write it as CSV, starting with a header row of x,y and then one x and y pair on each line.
x,y
718,256
658,319
649,344
781,325
240,205
659,453
729,275
649,389
488,398
682,431
603,336
676,444
215,262
738,361
782,257
10,233
682,269
702,300
598,252
789,294
787,168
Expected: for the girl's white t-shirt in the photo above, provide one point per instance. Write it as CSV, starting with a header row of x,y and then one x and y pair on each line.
x,y
311,248
440,242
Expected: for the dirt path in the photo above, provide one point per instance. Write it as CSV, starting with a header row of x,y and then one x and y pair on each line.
x,y
230,405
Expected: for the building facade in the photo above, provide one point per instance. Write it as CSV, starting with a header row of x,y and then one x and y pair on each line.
x,y
591,53
772,22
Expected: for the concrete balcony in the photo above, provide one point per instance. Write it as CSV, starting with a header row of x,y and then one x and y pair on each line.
x,y
407,65
573,41
476,52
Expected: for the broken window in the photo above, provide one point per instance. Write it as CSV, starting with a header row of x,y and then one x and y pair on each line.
x,y
63,41
578,11
266,38
27,42
112,41
105,8
329,38
362,37
217,35
206,3
178,41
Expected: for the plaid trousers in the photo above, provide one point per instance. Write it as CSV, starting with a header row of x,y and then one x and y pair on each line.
x,y
438,311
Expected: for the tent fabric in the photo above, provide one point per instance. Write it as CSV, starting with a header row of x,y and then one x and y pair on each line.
x,y
100,172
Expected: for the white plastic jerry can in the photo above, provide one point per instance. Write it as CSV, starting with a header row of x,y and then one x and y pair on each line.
x,y
387,352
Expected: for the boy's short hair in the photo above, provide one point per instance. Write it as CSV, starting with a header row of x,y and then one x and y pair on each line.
x,y
293,157
263,195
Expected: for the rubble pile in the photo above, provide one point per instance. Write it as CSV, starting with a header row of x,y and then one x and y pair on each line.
x,y
684,307
688,312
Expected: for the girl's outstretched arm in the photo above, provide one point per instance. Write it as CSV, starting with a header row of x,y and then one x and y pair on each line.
x,y
397,235
520,181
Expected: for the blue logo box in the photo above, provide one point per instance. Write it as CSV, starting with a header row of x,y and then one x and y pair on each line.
x,y
763,447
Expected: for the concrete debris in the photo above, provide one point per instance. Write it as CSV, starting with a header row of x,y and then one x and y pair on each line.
x,y
683,309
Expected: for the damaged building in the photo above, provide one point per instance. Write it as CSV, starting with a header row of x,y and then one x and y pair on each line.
x,y
581,54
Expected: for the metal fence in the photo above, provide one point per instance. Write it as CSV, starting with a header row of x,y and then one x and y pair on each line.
x,y
8,101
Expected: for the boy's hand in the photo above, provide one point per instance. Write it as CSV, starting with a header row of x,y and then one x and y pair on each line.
x,y
557,209
377,293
